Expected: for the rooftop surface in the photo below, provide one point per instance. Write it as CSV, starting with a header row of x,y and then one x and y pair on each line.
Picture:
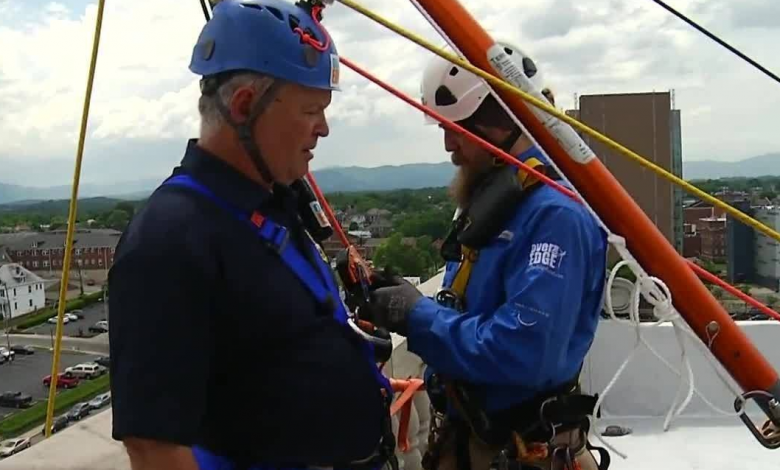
x,y
639,400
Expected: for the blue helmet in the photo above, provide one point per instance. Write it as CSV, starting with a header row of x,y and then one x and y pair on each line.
x,y
264,36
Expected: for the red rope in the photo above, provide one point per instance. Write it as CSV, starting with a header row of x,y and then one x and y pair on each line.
x,y
460,130
510,159
307,38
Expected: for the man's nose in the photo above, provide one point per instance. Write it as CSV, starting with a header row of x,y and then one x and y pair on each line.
x,y
322,130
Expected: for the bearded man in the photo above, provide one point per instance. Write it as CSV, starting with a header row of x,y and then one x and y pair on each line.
x,y
506,336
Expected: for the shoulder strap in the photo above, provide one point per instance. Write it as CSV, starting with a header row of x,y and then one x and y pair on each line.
x,y
277,237
322,287
529,182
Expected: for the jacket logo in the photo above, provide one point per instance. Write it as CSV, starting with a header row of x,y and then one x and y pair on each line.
x,y
548,255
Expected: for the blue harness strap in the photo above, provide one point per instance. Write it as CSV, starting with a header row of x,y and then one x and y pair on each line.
x,y
319,282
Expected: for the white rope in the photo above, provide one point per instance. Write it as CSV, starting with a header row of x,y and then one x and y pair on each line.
x,y
658,295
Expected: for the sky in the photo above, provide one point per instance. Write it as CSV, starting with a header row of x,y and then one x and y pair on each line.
x,y
144,102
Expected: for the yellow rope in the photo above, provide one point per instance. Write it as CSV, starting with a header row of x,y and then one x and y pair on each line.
x,y
744,218
71,225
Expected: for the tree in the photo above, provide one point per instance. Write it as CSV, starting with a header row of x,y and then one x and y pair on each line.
x,y
118,220
405,260
127,207
433,223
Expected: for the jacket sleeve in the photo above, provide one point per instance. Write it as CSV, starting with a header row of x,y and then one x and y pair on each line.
x,y
525,341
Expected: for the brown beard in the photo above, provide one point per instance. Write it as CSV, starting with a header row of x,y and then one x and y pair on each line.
x,y
464,182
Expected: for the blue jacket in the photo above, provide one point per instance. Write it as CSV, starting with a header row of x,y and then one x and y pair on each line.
x,y
533,303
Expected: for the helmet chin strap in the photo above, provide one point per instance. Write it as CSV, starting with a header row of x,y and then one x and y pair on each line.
x,y
245,129
505,145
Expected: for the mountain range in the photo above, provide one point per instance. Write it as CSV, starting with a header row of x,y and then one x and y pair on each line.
x,y
411,176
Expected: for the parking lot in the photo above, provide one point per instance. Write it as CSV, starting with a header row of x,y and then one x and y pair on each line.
x,y
26,372
92,314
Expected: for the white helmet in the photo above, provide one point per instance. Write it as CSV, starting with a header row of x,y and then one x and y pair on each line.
x,y
456,93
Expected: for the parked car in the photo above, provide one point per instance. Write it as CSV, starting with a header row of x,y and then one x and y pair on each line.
x,y
64,380
78,411
15,400
88,370
104,361
13,446
78,314
71,317
8,354
23,349
99,327
100,401
59,423
53,320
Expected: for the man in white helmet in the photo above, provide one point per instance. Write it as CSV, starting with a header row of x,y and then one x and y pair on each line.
x,y
507,334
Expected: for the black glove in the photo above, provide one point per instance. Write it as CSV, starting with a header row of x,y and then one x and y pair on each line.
x,y
391,301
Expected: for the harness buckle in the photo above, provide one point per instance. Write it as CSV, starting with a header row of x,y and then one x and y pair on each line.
x,y
448,298
278,238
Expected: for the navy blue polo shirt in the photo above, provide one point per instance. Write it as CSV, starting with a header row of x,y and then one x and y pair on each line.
x,y
215,341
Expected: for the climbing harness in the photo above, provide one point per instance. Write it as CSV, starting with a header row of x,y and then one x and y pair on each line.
x,y
321,285
526,432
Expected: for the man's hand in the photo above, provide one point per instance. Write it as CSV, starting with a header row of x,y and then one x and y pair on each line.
x,y
155,455
391,301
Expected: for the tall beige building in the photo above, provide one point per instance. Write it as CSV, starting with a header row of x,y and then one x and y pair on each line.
x,y
646,124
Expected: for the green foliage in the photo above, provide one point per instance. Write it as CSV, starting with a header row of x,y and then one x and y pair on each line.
x,y
404,259
107,213
24,420
397,201
432,222
767,184
717,292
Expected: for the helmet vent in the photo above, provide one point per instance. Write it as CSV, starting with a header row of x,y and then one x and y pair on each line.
x,y
529,67
508,51
294,21
252,5
276,13
444,97
453,71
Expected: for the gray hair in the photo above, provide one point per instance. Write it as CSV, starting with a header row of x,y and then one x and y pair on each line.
x,y
211,119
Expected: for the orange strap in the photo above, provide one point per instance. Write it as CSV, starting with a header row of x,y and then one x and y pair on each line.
x,y
404,404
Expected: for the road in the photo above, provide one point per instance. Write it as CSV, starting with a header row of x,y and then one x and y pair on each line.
x,y
25,374
92,314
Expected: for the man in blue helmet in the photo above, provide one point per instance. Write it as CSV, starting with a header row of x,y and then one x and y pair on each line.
x,y
230,346
505,338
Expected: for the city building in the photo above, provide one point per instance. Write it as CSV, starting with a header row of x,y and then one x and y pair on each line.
x,y
713,239
767,251
647,124
21,291
740,247
691,241
92,249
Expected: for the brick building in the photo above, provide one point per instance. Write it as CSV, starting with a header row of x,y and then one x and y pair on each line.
x,y
713,239
92,249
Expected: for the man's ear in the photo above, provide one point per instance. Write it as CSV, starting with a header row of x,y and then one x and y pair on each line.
x,y
241,104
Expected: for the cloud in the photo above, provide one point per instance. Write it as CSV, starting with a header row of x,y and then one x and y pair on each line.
x,y
144,99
